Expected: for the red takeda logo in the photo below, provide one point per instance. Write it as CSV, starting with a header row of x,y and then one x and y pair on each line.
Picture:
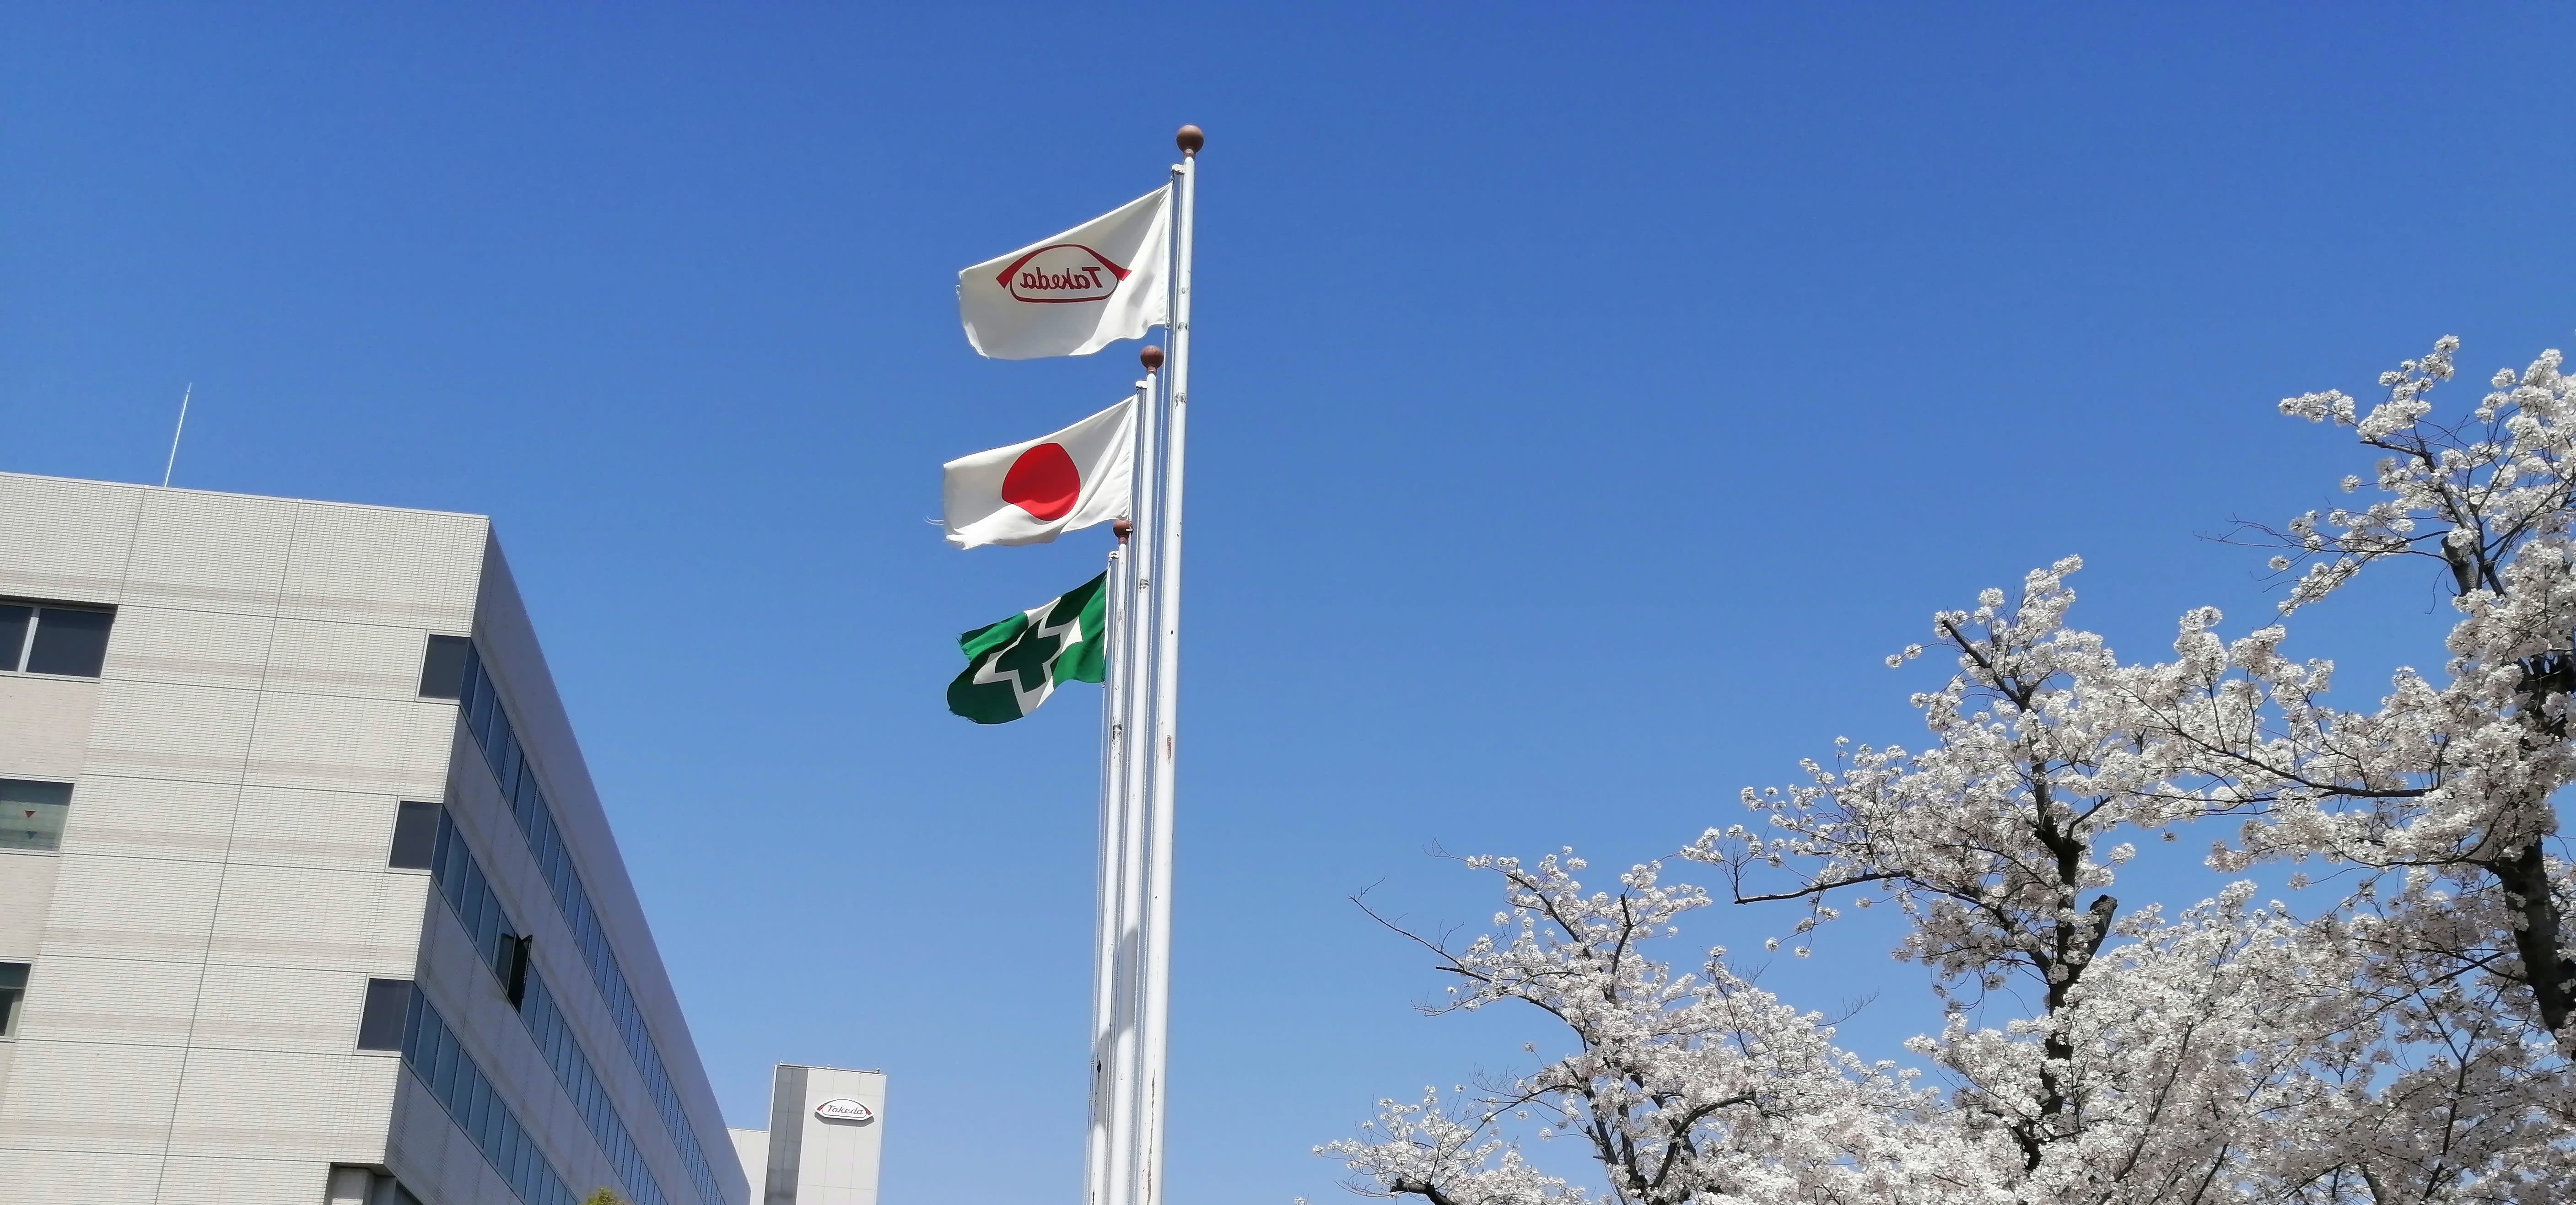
x,y
1061,272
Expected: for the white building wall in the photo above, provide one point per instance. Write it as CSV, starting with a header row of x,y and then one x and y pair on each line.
x,y
811,1159
220,897
751,1148
202,940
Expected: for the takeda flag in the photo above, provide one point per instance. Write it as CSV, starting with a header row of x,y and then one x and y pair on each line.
x,y
1030,493
1012,666
1076,293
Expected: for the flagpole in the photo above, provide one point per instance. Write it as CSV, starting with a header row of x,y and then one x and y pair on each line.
x,y
1114,813
1163,754
1136,649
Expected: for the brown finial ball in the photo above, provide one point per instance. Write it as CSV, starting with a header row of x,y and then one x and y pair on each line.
x,y
1124,529
1151,357
1191,138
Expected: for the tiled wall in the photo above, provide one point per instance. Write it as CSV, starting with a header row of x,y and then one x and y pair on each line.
x,y
221,896
203,938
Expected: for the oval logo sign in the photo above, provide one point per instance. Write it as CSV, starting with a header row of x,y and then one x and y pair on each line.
x,y
844,1109
1062,272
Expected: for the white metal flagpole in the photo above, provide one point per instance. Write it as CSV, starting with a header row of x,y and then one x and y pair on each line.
x,y
1162,754
1116,817
1135,652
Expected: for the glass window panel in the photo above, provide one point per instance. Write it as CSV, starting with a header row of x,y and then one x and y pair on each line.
x,y
476,1100
411,1029
32,814
505,758
460,1070
478,709
470,896
451,861
442,1078
487,1120
14,618
69,642
422,1050
549,851
444,1087
415,836
13,989
442,667
380,1019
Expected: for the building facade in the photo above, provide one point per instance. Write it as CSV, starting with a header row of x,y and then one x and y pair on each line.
x,y
825,1138
305,892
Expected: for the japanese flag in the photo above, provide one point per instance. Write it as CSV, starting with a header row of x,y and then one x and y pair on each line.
x,y
1076,293
1030,493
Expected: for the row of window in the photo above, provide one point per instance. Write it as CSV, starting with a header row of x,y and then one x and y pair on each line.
x,y
31,813
42,638
479,706
461,882
553,1036
432,1052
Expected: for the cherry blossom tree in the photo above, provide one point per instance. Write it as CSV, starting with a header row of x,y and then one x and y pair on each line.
x,y
2405,1041
1685,1087
2444,793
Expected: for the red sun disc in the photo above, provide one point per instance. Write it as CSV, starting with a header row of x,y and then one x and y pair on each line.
x,y
1043,482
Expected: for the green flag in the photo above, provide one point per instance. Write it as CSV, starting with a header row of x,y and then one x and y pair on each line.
x,y
1012,666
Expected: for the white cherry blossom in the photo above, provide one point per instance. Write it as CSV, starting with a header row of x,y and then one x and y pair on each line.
x,y
2405,1038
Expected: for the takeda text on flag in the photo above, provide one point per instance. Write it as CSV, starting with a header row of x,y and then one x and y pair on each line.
x,y
1032,492
1012,666
1075,293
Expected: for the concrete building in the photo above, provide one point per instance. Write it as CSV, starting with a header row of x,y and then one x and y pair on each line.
x,y
305,894
823,1143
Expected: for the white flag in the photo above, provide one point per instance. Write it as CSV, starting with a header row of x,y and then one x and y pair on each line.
x,y
1076,293
1030,493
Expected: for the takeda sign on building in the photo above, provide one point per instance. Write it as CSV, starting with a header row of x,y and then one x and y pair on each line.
x,y
845,1109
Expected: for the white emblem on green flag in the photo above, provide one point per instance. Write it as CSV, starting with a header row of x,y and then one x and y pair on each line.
x,y
1012,666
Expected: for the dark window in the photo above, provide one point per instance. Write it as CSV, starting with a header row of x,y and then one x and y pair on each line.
x,y
442,668
515,982
477,707
69,642
415,837
13,988
380,1026
14,620
447,1066
31,814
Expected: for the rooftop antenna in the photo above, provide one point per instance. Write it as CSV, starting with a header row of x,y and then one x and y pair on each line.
x,y
175,432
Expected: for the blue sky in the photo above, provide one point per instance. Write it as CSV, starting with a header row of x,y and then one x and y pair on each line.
x,y
1588,399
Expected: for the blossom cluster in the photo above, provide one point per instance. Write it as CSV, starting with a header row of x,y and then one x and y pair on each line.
x,y
2406,1039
